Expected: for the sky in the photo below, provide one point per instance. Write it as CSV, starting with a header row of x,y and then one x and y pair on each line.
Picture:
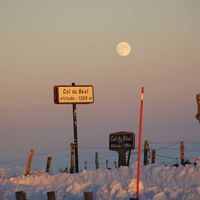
x,y
45,43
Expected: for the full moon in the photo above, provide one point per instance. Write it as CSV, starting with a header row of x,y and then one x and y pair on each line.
x,y
123,49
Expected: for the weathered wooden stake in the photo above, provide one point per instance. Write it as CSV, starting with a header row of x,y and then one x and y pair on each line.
x,y
122,157
48,165
182,152
72,168
51,195
85,164
115,163
20,195
88,196
198,107
28,165
146,149
128,159
106,164
153,158
97,160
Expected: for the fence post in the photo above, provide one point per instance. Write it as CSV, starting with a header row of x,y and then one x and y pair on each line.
x,y
28,165
88,196
146,149
97,160
115,163
129,156
72,168
48,165
198,107
20,195
182,152
153,158
85,164
106,164
51,195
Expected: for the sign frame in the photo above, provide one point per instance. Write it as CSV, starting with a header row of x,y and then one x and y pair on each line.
x,y
122,145
56,94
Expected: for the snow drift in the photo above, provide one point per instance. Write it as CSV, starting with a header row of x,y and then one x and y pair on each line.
x,y
158,182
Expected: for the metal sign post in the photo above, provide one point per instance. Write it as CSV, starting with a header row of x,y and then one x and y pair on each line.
x,y
75,134
74,94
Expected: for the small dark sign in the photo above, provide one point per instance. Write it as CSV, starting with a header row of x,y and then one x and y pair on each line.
x,y
122,140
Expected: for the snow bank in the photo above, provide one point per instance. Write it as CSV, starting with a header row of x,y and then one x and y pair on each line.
x,y
158,182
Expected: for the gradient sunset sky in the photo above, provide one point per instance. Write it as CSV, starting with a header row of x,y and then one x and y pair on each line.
x,y
46,42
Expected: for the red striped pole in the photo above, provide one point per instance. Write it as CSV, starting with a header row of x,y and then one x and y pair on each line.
x,y
139,142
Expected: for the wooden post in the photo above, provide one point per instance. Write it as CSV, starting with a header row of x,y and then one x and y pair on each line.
x,y
51,195
115,163
153,158
146,149
182,152
20,195
85,164
106,164
97,160
72,168
88,196
48,165
198,107
128,159
122,158
28,165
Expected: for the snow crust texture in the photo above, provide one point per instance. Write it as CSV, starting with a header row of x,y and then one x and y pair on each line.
x,y
158,182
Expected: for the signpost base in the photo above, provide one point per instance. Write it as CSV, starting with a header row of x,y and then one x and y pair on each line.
x,y
122,157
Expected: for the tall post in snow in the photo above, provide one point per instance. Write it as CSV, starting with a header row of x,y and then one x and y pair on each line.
x,y
139,143
75,134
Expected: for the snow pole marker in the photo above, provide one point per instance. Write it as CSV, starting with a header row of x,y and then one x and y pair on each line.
x,y
139,142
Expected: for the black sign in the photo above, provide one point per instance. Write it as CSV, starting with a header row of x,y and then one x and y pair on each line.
x,y
122,140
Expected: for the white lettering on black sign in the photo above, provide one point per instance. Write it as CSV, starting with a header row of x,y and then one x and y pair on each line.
x,y
122,141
